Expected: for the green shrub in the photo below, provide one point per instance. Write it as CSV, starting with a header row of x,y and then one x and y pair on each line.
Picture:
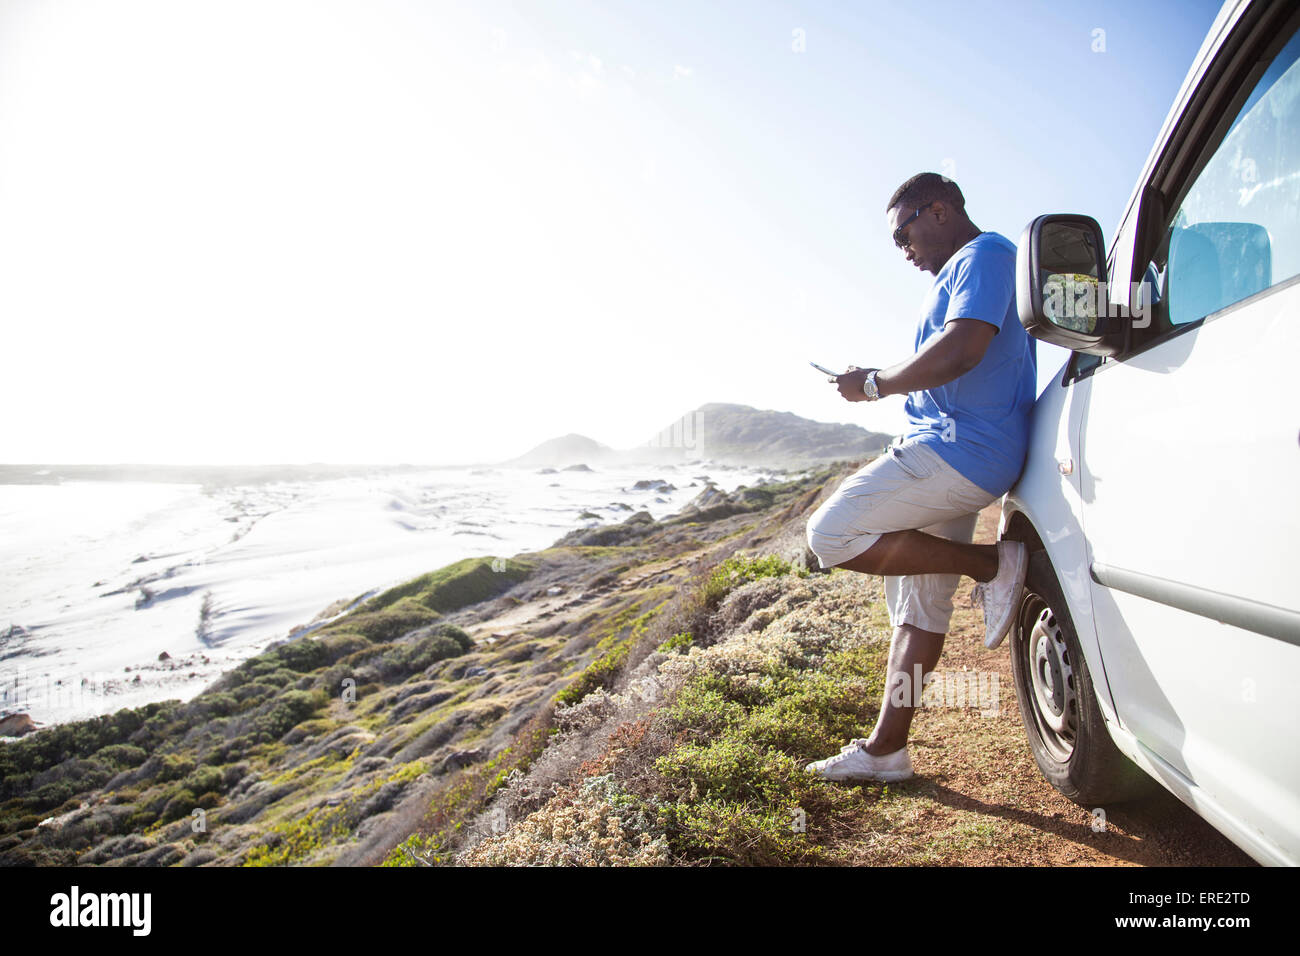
x,y
395,660
121,756
302,655
738,570
733,782
287,711
456,585
212,704
600,673
391,622
683,639
249,694
178,806
203,779
338,646
173,767
47,748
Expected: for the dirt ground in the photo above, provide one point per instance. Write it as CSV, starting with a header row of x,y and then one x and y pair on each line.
x,y
978,797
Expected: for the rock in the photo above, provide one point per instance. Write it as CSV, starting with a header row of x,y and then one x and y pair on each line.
x,y
554,590
657,484
709,496
463,758
579,467
164,656
546,471
16,725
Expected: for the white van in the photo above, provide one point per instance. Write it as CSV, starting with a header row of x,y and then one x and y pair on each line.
x,y
1159,634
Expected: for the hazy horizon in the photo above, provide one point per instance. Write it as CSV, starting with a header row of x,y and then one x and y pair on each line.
x,y
381,464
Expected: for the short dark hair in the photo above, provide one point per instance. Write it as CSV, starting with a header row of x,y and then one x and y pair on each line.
x,y
926,188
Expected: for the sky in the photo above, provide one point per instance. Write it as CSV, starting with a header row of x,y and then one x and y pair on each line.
x,y
399,231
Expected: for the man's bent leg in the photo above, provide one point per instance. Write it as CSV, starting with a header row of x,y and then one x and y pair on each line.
x,y
867,524
915,552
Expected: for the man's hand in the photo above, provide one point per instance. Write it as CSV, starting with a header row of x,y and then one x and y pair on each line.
x,y
850,383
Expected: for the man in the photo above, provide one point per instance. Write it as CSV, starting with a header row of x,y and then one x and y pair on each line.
x,y
970,386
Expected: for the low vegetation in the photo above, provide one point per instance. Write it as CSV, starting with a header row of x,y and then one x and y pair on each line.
x,y
390,734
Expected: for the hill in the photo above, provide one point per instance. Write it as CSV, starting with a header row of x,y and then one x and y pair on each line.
x,y
724,433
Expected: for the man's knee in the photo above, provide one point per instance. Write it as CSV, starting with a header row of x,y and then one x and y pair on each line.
x,y
819,543
835,548
827,539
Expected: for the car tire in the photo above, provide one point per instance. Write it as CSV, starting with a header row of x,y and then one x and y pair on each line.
x,y
1063,721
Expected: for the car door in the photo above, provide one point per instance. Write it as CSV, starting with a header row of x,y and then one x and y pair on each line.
x,y
1191,466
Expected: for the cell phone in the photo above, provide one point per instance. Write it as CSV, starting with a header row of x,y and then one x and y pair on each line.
x,y
825,370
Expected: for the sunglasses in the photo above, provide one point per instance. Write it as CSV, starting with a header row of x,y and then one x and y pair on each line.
x,y
903,241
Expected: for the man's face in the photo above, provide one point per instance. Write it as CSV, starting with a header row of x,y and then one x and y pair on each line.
x,y
921,234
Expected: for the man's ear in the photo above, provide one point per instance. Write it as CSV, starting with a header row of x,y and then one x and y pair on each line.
x,y
940,211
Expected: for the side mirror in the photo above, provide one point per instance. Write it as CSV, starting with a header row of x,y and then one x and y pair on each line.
x,y
1061,278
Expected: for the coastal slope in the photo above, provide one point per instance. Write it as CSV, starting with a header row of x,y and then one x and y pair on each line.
x,y
645,692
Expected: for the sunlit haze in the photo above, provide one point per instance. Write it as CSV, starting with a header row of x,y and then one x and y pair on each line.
x,y
272,231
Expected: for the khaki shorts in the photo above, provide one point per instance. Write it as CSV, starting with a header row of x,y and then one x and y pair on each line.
x,y
909,488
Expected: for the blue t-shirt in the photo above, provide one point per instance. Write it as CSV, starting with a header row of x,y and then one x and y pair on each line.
x,y
979,423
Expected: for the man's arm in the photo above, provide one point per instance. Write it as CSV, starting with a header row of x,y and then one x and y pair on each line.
x,y
952,353
957,349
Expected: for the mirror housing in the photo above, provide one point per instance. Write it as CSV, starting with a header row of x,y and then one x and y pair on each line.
x,y
1061,285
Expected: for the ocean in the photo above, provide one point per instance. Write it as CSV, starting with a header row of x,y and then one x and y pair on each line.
x,y
117,593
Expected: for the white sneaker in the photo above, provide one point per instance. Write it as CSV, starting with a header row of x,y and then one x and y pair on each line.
x,y
1001,596
854,763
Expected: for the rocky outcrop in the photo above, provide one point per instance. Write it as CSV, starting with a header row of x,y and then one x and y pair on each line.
x,y
15,725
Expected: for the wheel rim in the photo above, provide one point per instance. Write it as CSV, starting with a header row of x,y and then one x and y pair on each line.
x,y
1047,661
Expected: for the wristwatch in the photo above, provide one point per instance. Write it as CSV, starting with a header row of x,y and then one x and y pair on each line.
x,y
869,386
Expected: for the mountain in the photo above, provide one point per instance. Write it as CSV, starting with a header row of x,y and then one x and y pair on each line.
x,y
561,452
722,433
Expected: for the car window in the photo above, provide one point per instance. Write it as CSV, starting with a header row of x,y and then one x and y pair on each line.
x,y
1237,230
